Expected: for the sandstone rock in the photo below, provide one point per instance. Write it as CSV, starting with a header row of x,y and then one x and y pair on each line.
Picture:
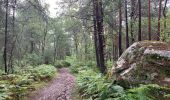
x,y
145,62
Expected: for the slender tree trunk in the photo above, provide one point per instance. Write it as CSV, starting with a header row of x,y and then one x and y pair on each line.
x,y
139,30
113,45
165,19
14,38
120,28
55,49
127,27
164,13
132,20
6,39
32,44
44,40
149,19
159,18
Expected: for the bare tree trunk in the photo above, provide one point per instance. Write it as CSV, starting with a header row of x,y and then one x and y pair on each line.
x,y
132,20
120,28
98,30
127,27
99,17
6,39
159,17
32,44
139,30
44,40
14,38
55,50
164,13
149,19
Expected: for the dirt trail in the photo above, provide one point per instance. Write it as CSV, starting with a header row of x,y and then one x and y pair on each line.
x,y
61,88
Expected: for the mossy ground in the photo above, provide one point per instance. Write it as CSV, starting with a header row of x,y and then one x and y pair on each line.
x,y
18,86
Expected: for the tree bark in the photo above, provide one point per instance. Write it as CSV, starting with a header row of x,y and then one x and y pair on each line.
x,y
132,20
32,44
98,30
6,39
139,30
149,19
120,28
127,27
164,13
159,18
14,38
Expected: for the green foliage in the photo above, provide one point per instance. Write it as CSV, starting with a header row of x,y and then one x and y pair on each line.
x,y
147,92
31,59
94,85
77,66
44,71
18,86
61,64
1,72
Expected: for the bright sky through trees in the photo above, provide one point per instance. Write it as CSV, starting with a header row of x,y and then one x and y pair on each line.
x,y
53,5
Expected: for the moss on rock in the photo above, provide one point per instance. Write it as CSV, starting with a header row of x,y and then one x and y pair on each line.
x,y
145,62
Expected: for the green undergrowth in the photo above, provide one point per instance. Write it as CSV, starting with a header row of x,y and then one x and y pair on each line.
x,y
91,85
62,64
146,92
18,86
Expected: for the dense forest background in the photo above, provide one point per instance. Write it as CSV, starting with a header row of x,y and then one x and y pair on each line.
x,y
84,34
30,36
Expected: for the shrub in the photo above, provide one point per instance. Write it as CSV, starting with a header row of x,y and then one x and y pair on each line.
x,y
44,72
61,64
78,66
95,86
92,85
147,92
31,59
1,72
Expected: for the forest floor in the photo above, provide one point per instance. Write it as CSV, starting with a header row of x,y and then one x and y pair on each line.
x,y
60,88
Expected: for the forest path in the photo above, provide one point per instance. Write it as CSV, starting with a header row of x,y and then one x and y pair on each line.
x,y
61,88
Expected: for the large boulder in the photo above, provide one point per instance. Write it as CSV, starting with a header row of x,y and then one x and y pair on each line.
x,y
144,63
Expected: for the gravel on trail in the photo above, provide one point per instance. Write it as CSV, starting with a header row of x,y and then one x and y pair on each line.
x,y
61,88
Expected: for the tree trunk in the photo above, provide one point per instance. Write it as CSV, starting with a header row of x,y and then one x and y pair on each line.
x,y
164,13
139,30
95,33
32,44
120,28
44,40
14,38
149,19
6,39
98,29
99,17
132,20
127,27
159,17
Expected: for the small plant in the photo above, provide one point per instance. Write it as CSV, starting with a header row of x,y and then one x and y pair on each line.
x,y
1,72
147,92
61,64
44,72
96,86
